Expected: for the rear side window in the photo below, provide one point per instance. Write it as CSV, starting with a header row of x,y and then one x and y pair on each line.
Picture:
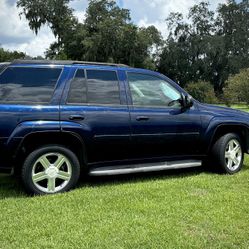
x,y
96,87
28,85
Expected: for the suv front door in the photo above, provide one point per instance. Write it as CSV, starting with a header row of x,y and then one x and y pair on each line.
x,y
159,126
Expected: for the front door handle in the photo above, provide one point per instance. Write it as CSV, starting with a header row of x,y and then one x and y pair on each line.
x,y
142,118
76,117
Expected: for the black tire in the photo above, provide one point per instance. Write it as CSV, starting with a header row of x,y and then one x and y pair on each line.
x,y
71,162
219,154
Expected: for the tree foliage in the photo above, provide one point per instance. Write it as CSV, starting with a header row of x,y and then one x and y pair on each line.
x,y
54,13
202,91
237,87
106,35
207,47
6,55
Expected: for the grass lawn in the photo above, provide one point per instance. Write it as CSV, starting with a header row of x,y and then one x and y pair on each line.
x,y
176,209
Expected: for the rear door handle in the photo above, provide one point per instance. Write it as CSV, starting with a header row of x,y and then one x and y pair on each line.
x,y
76,117
142,118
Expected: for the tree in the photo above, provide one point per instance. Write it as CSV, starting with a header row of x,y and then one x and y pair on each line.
x,y
202,91
55,13
237,87
184,57
6,55
207,47
106,35
233,25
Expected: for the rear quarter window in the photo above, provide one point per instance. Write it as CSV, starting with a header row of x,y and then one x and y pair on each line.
x,y
25,85
2,67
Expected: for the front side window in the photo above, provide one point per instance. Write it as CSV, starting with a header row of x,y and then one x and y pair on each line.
x,y
22,85
148,90
96,87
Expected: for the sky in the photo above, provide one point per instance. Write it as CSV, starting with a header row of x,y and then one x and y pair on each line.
x,y
16,35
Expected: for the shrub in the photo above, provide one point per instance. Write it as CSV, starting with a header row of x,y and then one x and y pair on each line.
x,y
237,87
202,91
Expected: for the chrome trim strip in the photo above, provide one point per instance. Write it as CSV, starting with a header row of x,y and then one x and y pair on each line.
x,y
149,134
140,168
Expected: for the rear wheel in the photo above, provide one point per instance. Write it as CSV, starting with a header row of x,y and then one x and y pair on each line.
x,y
228,153
50,169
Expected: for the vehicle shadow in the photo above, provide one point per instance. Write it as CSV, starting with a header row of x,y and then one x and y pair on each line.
x,y
98,181
11,187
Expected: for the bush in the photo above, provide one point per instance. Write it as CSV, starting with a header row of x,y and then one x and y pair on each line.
x,y
202,91
237,87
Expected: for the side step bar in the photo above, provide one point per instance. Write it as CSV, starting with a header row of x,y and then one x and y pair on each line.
x,y
147,167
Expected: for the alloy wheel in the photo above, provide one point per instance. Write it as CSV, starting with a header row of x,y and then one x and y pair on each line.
x,y
233,155
51,172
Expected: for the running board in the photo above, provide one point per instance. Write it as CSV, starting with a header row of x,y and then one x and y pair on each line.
x,y
147,167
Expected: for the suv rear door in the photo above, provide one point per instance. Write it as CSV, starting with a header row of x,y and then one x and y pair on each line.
x,y
94,106
159,126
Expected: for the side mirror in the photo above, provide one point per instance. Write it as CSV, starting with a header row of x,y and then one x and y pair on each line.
x,y
187,101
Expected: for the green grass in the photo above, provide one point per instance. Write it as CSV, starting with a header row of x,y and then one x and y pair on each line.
x,y
176,209
183,209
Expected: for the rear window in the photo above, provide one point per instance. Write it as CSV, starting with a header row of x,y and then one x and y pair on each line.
x,y
2,67
96,87
28,85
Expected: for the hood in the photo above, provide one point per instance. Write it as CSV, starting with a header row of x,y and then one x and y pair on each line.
x,y
222,111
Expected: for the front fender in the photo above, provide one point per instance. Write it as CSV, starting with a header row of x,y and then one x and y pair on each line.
x,y
225,123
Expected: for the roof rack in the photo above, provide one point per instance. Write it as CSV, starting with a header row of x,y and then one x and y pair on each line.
x,y
65,62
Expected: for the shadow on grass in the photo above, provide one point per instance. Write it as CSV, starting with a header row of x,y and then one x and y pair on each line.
x,y
11,187
98,181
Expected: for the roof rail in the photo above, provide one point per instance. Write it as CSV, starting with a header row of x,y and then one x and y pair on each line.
x,y
66,62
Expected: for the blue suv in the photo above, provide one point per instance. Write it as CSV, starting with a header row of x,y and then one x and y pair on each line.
x,y
59,119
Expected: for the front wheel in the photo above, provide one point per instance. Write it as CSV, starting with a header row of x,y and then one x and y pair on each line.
x,y
228,153
50,169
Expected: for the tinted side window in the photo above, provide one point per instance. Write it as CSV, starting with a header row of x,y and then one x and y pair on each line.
x,y
2,67
148,90
102,87
78,89
28,85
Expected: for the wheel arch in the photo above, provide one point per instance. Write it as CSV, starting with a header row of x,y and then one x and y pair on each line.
x,y
240,129
37,139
